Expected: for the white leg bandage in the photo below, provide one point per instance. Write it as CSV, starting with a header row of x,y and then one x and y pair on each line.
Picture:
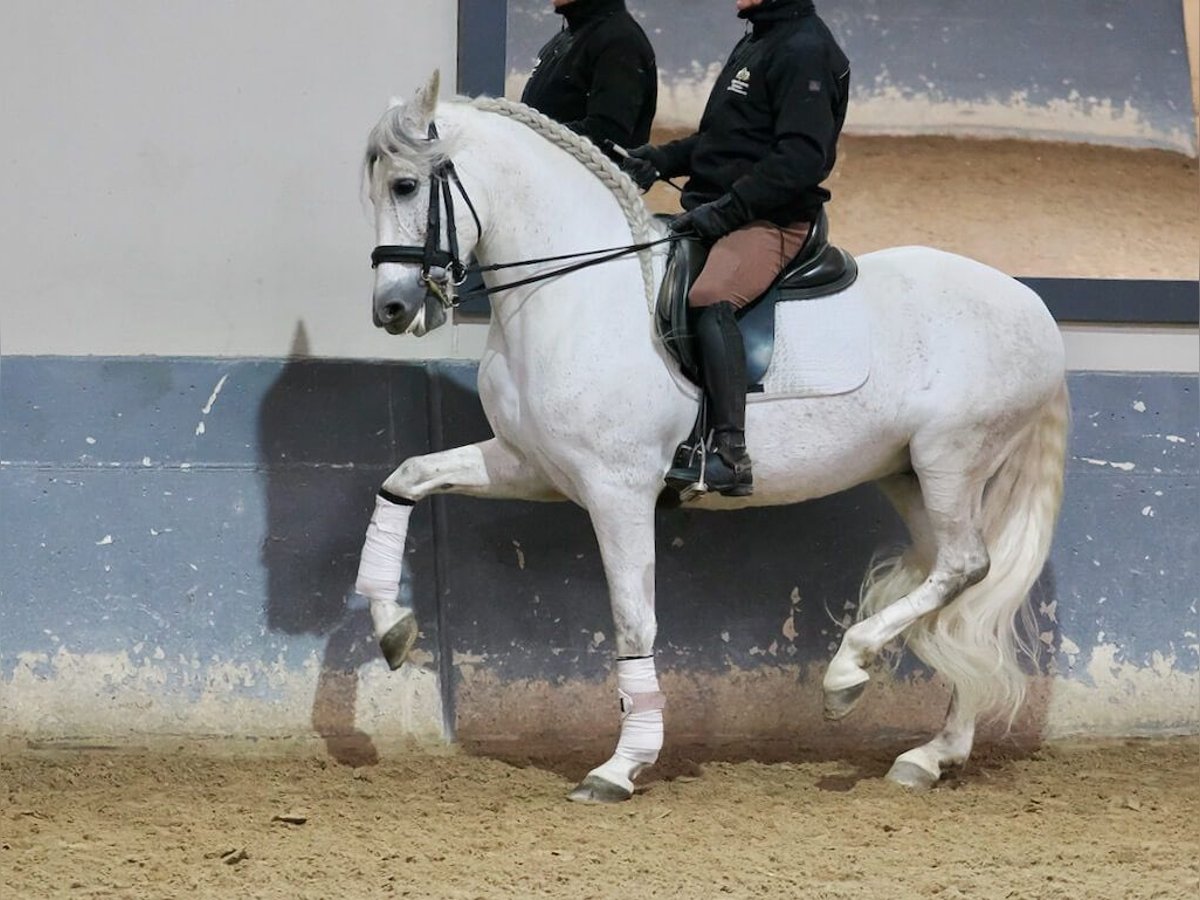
x,y
381,562
641,710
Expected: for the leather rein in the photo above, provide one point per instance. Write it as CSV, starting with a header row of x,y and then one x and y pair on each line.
x,y
431,256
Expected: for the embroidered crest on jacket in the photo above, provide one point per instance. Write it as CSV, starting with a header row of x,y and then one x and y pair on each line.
x,y
741,82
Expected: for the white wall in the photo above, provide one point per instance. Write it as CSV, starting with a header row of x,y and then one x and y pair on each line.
x,y
181,177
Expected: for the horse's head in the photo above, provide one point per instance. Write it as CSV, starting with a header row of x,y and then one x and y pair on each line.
x,y
418,259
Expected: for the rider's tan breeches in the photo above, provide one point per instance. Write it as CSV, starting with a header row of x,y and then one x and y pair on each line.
x,y
743,264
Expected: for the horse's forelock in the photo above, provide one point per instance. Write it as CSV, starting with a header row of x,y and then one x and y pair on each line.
x,y
392,139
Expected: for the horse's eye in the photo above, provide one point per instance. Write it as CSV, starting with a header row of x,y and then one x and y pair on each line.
x,y
403,186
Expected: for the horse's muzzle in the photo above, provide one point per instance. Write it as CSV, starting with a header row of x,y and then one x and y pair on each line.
x,y
398,316
396,306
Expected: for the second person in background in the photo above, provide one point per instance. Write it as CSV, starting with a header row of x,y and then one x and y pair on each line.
x,y
597,76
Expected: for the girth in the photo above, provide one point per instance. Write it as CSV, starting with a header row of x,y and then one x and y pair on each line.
x,y
818,270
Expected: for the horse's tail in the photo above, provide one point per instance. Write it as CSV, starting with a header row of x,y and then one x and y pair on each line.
x,y
976,641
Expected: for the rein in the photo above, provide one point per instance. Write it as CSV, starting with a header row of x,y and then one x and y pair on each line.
x,y
430,255
611,254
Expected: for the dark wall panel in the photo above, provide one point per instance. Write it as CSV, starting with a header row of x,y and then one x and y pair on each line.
x,y
769,590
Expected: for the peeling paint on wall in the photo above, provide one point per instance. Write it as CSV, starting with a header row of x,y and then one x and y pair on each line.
x,y
119,694
782,705
1119,698
889,110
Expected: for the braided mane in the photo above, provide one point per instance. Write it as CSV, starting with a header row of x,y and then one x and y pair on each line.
x,y
584,150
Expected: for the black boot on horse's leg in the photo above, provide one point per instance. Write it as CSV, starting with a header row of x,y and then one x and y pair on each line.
x,y
723,362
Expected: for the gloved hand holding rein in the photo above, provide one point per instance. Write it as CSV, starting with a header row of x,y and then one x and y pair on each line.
x,y
714,220
644,165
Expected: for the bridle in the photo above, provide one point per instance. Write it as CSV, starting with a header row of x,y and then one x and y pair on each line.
x,y
430,255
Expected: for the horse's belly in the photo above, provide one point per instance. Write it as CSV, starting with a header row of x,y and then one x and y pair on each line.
x,y
813,447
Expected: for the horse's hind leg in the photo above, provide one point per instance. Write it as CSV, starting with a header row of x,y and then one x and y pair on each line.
x,y
950,525
922,767
486,469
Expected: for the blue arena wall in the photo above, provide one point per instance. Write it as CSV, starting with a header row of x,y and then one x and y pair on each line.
x,y
179,539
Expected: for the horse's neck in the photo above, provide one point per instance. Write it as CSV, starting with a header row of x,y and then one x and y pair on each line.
x,y
543,202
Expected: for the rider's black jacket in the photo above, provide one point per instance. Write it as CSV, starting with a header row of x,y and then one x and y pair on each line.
x,y
597,75
769,131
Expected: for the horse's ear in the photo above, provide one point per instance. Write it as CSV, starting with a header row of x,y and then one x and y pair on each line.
x,y
420,112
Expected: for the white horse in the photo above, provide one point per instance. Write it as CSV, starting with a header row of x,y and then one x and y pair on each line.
x,y
962,422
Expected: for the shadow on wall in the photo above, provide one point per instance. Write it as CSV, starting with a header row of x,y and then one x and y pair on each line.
x,y
324,439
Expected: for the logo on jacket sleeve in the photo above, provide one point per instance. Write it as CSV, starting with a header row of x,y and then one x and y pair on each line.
x,y
740,84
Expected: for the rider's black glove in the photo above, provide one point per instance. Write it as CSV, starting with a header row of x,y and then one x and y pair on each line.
x,y
714,220
643,165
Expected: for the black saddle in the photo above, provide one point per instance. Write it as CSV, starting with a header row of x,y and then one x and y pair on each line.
x,y
819,269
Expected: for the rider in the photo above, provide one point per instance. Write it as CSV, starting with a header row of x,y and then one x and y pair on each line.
x,y
766,141
597,76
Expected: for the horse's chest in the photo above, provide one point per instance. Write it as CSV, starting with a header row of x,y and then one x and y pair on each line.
x,y
499,395
512,409
516,419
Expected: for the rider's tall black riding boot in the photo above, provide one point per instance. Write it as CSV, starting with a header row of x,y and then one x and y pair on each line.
x,y
723,361
723,357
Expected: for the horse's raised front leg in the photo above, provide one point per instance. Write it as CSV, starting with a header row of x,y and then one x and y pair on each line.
x,y
486,469
624,525
950,514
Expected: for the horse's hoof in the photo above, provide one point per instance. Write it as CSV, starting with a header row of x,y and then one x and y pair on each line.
x,y
595,789
911,776
398,641
840,703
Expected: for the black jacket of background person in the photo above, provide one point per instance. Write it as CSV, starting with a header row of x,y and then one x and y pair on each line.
x,y
597,76
769,131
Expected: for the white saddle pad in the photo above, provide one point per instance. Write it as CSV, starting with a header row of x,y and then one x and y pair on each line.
x,y
822,347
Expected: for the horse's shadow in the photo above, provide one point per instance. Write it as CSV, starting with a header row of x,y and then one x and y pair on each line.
x,y
336,696
994,760
327,436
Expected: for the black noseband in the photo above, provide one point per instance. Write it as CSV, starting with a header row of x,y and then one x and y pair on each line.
x,y
397,253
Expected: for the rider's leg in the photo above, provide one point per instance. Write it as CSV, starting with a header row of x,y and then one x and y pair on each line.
x,y
723,361
739,268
